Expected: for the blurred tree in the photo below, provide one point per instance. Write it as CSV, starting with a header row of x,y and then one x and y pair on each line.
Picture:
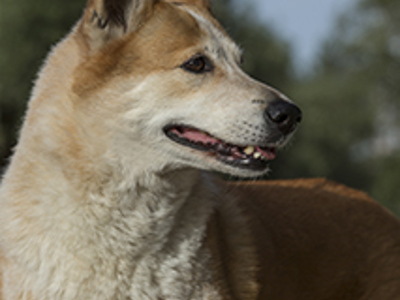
x,y
336,118
351,103
386,186
267,56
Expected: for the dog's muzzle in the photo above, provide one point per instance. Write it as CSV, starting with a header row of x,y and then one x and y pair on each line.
x,y
281,116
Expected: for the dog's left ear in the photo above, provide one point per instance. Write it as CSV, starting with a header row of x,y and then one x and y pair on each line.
x,y
106,20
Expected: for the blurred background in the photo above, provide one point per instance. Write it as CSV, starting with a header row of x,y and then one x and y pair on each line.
x,y
338,59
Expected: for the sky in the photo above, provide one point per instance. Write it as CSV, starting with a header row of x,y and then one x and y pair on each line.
x,y
305,23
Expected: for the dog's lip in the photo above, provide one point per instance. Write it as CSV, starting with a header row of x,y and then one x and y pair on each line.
x,y
249,156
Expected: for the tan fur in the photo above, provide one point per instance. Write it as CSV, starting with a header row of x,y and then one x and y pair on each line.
x,y
98,203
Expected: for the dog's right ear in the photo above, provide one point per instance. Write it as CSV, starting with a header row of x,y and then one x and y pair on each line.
x,y
106,20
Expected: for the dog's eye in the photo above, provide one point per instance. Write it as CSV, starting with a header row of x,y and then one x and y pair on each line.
x,y
198,64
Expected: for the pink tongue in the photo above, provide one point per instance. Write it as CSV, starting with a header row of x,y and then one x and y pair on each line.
x,y
268,154
199,137
196,136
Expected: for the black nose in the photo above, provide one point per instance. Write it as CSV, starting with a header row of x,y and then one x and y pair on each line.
x,y
284,115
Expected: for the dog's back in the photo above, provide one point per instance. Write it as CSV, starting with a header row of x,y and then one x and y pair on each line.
x,y
320,240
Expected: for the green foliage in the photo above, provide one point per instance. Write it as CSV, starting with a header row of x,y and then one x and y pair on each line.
x,y
267,56
386,186
351,105
336,117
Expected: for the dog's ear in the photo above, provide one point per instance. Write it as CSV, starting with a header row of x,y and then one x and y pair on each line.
x,y
105,20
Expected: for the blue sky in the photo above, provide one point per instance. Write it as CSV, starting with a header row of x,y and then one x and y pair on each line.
x,y
305,23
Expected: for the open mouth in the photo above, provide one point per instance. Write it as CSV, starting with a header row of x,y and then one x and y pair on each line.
x,y
249,157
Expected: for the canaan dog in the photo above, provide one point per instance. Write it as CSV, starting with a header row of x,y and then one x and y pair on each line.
x,y
109,193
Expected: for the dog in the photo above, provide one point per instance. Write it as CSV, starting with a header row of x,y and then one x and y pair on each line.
x,y
112,194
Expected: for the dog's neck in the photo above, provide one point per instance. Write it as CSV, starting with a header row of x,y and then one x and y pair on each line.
x,y
161,235
156,204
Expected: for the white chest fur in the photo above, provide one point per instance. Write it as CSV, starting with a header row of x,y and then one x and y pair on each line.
x,y
147,244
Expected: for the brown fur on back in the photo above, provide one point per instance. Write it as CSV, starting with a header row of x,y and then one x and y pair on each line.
x,y
320,240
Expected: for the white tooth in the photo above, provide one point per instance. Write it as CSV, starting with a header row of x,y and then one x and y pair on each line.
x,y
249,150
257,155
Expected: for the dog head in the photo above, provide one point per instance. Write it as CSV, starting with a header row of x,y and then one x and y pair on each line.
x,y
162,84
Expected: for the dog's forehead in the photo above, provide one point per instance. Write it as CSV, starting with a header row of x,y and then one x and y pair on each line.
x,y
220,42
